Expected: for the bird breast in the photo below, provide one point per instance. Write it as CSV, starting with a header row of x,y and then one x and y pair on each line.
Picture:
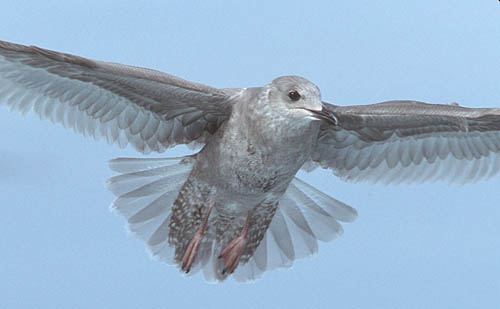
x,y
248,168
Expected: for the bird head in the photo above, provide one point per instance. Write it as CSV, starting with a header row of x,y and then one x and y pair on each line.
x,y
298,98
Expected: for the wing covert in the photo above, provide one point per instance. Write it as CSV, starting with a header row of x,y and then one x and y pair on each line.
x,y
409,141
150,110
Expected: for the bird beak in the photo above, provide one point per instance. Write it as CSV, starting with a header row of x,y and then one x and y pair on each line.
x,y
324,115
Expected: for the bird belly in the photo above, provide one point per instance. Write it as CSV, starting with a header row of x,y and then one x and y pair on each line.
x,y
241,183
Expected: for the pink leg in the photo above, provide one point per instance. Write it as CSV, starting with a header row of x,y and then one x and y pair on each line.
x,y
234,249
194,244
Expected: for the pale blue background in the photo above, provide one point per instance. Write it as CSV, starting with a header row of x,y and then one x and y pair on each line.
x,y
428,246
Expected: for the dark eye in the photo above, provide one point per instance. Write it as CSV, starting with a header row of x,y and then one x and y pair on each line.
x,y
294,95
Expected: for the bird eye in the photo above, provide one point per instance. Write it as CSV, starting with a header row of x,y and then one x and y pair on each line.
x,y
294,95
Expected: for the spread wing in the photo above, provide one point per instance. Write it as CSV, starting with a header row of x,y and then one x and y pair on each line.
x,y
408,141
148,109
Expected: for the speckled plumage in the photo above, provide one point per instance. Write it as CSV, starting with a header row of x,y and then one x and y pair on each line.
x,y
246,167
255,140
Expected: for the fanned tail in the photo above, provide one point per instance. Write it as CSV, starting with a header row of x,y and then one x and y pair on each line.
x,y
147,189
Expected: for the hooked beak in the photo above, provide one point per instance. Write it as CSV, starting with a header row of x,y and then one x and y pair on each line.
x,y
324,115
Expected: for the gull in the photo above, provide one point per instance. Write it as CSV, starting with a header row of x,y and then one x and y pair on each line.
x,y
236,208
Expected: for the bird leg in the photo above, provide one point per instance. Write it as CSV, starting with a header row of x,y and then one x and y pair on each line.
x,y
194,244
234,249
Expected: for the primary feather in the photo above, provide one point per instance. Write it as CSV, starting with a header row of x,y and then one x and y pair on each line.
x,y
255,140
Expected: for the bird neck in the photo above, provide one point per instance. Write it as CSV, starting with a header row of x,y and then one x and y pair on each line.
x,y
264,127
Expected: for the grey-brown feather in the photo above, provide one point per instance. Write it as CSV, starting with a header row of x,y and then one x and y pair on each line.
x,y
256,139
149,109
188,212
388,141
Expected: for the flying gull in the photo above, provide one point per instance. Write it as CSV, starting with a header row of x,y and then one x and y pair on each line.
x,y
236,207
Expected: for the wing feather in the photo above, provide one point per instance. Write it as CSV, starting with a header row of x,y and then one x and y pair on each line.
x,y
408,141
148,109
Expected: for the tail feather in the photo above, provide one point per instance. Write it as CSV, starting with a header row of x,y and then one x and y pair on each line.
x,y
305,215
145,194
146,165
281,235
304,240
333,207
147,189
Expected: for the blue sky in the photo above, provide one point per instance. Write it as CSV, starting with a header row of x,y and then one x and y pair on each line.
x,y
413,246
